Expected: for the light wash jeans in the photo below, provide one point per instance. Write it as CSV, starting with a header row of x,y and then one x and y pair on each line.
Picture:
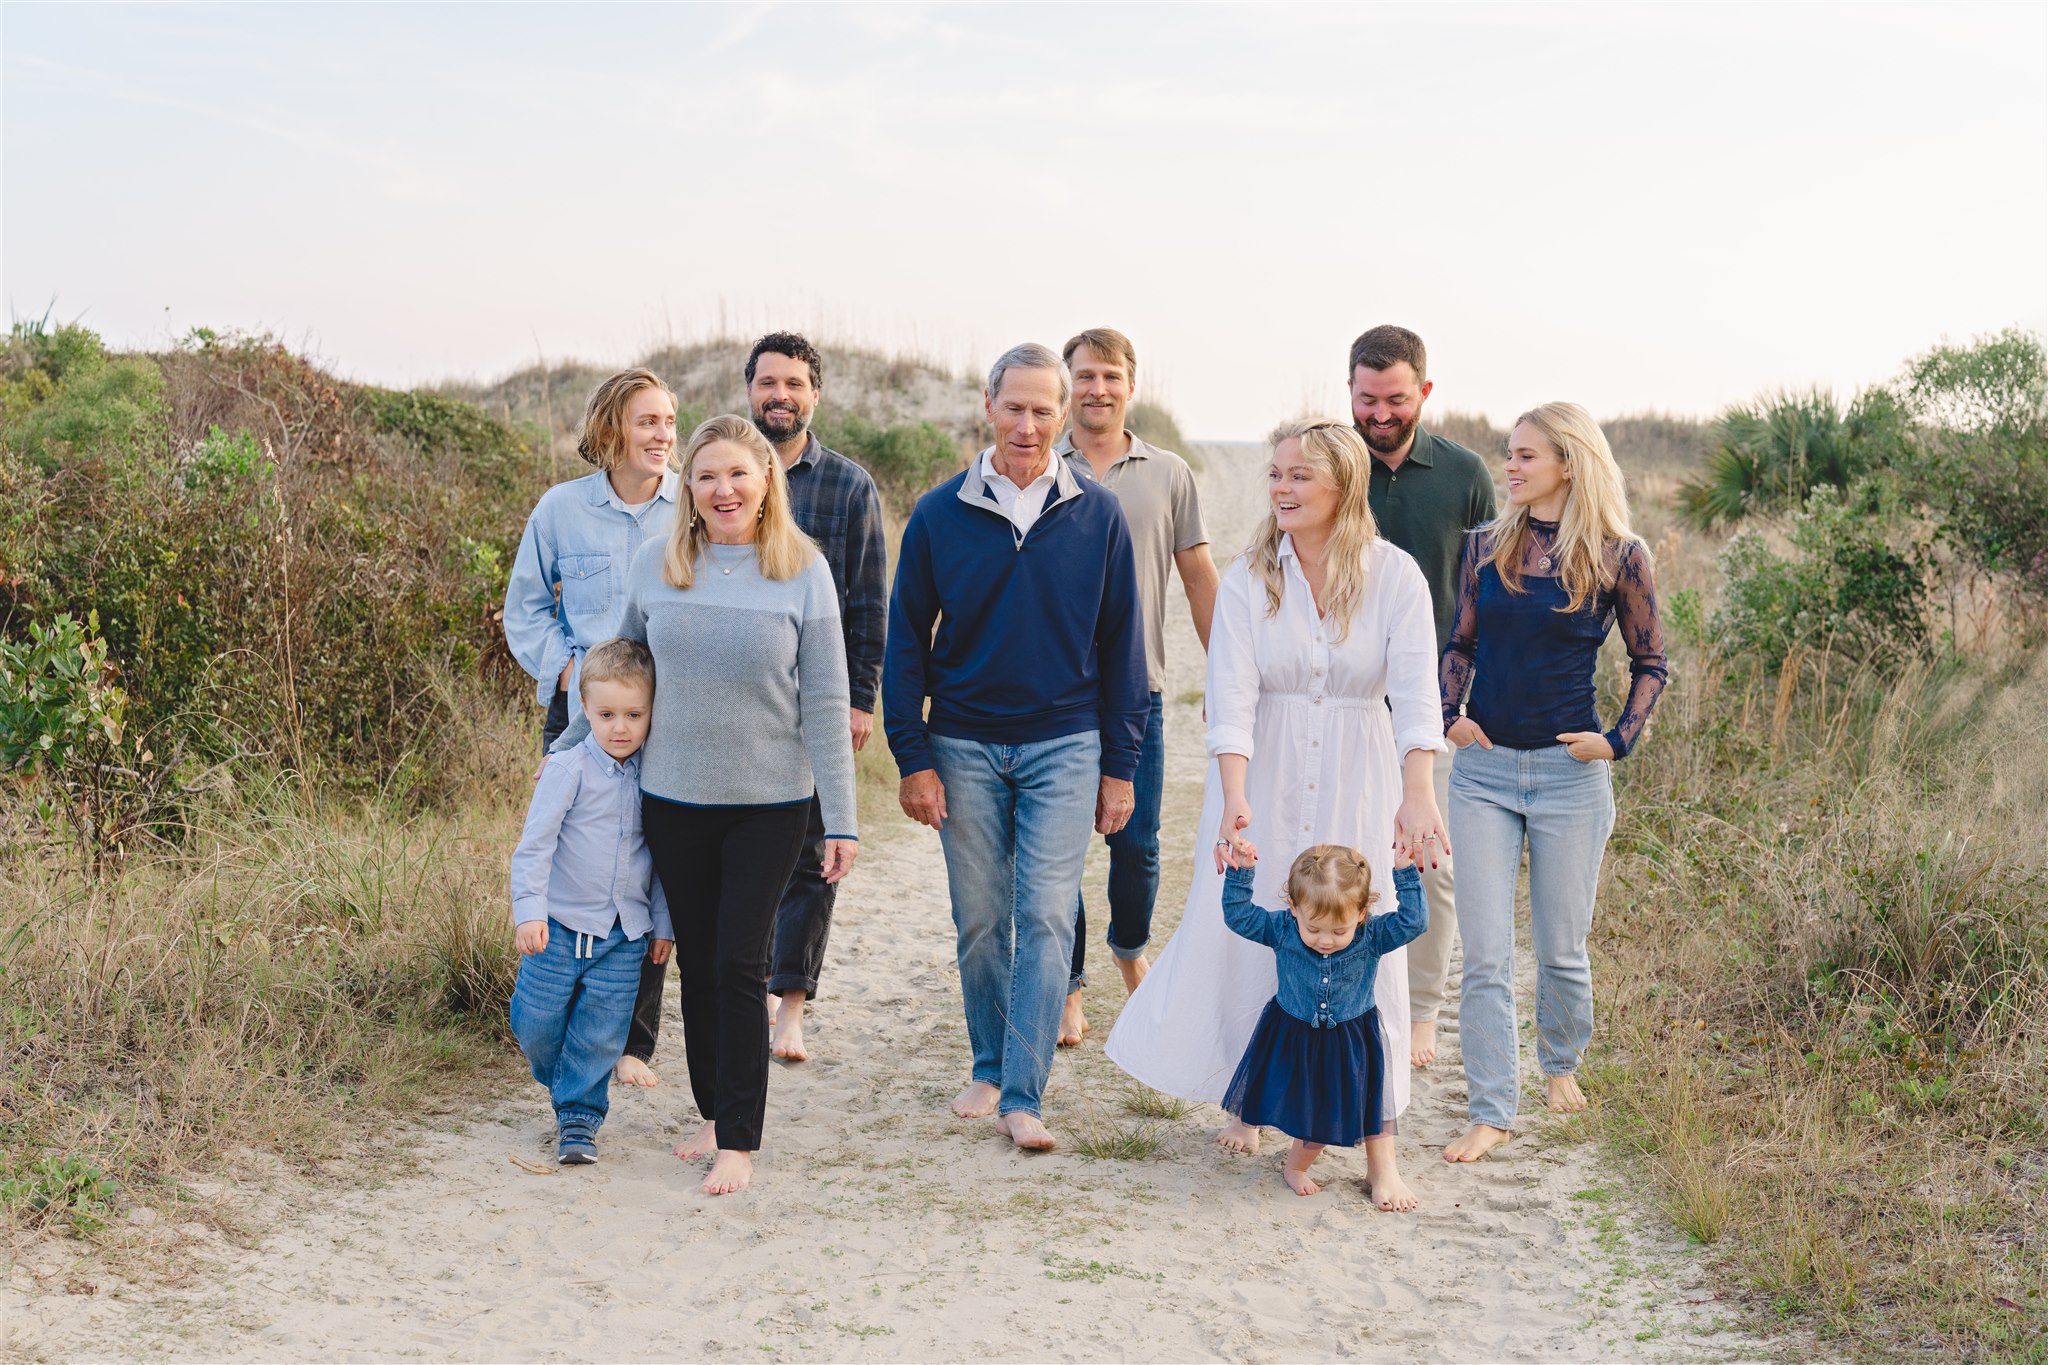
x,y
570,1008
1018,821
1564,810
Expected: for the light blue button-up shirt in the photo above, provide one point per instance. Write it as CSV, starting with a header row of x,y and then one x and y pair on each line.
x,y
580,539
582,860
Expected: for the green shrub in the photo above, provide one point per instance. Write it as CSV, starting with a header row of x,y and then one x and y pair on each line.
x,y
906,459
1856,584
60,1189
1770,455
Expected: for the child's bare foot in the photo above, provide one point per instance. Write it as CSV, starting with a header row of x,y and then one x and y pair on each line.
x,y
1026,1131
702,1145
788,1040
1565,1095
977,1101
1134,972
630,1070
1239,1137
731,1172
1421,1042
1390,1193
1073,1023
1294,1169
1479,1139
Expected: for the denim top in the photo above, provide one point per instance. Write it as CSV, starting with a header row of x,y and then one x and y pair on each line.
x,y
581,540
582,860
1528,663
1322,990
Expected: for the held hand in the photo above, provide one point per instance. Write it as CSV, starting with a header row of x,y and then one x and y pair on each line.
x,y
839,856
923,798
1586,746
862,725
1232,849
1419,834
659,953
1465,730
531,937
1114,802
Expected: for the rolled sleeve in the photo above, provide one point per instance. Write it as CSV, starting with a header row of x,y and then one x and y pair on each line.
x,y
1233,685
533,631
1412,661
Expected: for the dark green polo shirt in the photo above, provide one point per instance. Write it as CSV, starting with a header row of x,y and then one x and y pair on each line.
x,y
1440,491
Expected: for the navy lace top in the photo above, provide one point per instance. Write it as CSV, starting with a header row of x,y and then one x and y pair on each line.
x,y
1528,666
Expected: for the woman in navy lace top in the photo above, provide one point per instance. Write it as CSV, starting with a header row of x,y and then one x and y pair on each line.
x,y
1538,589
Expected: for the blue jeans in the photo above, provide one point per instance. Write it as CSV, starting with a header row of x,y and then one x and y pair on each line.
x,y
1563,810
1133,860
570,1013
1018,817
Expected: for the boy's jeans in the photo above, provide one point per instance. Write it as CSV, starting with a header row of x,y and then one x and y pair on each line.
x,y
569,1014
1018,821
1133,860
1564,809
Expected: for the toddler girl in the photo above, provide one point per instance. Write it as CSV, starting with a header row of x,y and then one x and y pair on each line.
x,y
1314,1068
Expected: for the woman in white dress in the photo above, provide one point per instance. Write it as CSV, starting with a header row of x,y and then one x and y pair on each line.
x,y
1318,626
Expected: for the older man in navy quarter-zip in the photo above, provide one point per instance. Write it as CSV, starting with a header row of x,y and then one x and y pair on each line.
x,y
1016,615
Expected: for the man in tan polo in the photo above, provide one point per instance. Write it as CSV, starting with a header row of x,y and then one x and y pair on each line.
x,y
1157,492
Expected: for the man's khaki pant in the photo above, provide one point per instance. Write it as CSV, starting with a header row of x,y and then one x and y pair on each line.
x,y
1429,957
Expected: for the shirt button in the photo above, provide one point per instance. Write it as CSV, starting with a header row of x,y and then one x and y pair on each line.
x,y
1326,981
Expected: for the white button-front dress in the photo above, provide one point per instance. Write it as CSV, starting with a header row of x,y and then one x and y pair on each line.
x,y
1310,713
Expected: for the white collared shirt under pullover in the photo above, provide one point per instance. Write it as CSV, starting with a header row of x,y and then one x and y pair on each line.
x,y
1022,506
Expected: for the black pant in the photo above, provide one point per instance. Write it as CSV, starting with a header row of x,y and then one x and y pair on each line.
x,y
804,920
723,869
557,721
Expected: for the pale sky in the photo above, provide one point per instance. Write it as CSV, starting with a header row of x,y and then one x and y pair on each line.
x,y
1665,207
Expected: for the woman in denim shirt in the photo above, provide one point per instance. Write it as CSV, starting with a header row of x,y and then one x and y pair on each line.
x,y
1315,1067
1538,590
567,586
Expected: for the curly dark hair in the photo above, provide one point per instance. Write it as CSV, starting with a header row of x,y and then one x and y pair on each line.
x,y
793,345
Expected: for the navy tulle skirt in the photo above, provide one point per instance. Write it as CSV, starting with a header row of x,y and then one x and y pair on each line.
x,y
1316,1084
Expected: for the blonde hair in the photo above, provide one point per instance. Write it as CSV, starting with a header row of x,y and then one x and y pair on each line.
x,y
617,660
1331,882
1336,452
603,442
1595,519
781,549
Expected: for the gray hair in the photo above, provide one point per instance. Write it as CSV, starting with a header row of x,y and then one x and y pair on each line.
x,y
1030,356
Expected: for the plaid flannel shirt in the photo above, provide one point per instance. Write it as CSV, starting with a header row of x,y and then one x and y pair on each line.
x,y
835,503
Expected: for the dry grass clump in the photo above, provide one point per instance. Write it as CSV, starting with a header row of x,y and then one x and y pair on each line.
x,y
294,973
1825,970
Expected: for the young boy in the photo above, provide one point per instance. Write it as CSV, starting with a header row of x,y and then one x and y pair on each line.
x,y
585,900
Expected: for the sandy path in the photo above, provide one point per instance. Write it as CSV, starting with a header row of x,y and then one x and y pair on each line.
x,y
883,1228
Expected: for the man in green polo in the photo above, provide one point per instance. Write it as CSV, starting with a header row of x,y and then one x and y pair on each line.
x,y
1426,492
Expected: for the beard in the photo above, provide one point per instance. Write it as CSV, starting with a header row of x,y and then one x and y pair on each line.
x,y
1387,442
781,424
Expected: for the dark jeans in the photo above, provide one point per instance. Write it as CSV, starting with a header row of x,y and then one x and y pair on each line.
x,y
723,869
804,920
557,721
1133,859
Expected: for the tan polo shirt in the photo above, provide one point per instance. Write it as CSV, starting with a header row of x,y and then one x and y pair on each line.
x,y
1157,491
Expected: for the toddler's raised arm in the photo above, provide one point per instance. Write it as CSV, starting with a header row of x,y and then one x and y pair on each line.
x,y
1410,918
1245,919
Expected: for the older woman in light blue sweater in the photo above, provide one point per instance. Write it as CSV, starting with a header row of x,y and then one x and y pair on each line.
x,y
740,613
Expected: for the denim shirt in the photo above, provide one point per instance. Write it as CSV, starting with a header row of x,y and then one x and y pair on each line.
x,y
582,860
581,539
1325,990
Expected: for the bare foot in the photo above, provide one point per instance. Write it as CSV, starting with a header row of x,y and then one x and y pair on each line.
x,y
702,1145
630,1070
1073,1023
1421,1042
1565,1095
788,1041
731,1172
1134,972
1239,1137
1479,1139
1294,1169
1026,1131
1390,1193
977,1101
